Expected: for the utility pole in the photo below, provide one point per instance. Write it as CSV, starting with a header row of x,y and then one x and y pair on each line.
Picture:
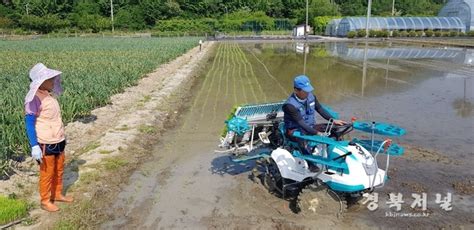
x,y
305,54
367,24
112,14
306,24
393,8
364,70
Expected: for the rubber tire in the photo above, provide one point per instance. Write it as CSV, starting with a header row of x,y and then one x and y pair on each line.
x,y
319,200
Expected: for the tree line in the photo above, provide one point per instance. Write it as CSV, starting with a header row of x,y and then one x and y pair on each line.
x,y
95,15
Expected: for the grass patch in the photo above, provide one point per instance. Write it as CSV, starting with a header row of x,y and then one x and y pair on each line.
x,y
124,128
12,209
65,225
147,129
146,99
28,221
88,178
105,151
76,216
114,163
90,146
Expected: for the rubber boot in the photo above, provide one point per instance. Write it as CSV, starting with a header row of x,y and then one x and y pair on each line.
x,y
57,184
45,181
50,207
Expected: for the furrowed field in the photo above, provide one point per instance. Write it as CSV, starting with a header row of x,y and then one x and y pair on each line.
x,y
93,70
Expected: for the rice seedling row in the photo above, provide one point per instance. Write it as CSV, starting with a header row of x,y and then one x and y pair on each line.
x,y
282,90
212,76
252,72
220,75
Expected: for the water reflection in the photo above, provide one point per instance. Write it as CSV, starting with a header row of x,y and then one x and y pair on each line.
x,y
429,91
347,51
335,78
462,105
342,71
430,97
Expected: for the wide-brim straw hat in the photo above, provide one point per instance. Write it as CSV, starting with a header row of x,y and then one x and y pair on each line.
x,y
40,73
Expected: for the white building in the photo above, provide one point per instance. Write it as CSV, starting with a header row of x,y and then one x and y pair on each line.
x,y
298,31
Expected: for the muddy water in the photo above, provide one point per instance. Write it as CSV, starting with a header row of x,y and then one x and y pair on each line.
x,y
429,91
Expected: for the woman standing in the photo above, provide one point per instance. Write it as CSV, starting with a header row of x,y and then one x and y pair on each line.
x,y
45,131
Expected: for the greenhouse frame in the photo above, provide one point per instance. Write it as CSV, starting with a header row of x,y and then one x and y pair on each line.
x,y
331,28
463,9
355,53
401,24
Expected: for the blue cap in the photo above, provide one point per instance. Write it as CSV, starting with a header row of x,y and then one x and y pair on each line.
x,y
302,82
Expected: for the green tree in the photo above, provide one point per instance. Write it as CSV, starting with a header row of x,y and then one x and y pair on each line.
x,y
276,9
247,20
45,24
417,8
382,7
6,23
320,23
324,8
130,18
42,7
8,17
86,7
86,15
5,11
81,11
159,9
353,7
317,8
292,7
93,22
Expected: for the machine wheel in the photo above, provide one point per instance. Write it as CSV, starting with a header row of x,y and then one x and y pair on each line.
x,y
272,179
318,200
355,203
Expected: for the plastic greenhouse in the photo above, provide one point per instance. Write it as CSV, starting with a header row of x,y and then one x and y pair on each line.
x,y
331,28
463,9
400,23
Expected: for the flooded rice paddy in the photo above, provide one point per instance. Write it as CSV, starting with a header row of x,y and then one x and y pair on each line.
x,y
427,90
